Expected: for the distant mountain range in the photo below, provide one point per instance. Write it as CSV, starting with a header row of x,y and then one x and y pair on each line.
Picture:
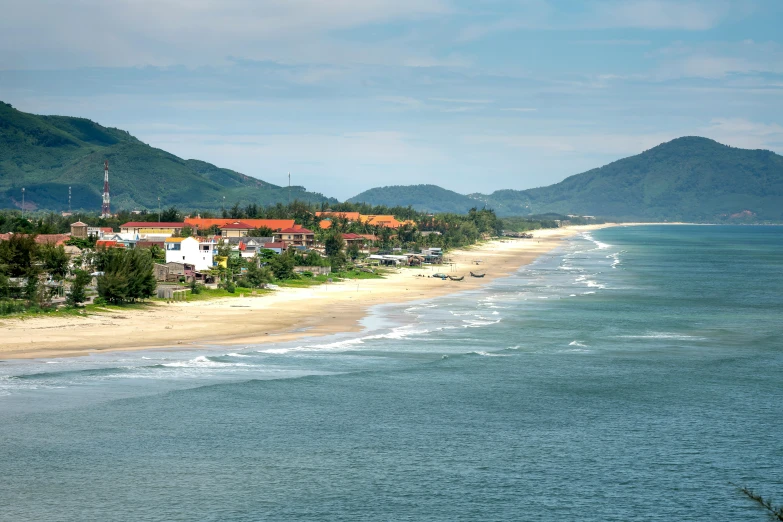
x,y
688,179
48,154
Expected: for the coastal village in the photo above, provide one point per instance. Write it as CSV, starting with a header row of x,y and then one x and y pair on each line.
x,y
203,251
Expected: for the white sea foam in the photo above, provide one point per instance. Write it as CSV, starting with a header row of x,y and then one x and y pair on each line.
x,y
201,362
664,335
490,354
577,343
473,323
236,355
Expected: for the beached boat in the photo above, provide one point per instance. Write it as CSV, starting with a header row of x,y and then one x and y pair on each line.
x,y
473,274
442,276
460,278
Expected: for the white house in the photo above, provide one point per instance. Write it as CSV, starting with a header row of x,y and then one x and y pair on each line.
x,y
191,251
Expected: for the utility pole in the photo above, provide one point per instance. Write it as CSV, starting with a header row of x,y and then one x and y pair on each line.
x,y
69,200
158,209
289,188
22,201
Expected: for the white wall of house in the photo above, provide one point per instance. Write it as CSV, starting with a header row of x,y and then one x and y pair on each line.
x,y
191,251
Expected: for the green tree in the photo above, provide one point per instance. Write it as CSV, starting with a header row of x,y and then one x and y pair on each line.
x,y
261,232
128,275
78,293
334,244
353,251
282,266
18,255
54,261
171,215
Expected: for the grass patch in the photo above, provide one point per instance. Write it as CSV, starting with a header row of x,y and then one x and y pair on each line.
x,y
208,294
307,282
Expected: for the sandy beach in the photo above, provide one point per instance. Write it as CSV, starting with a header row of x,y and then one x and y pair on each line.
x,y
287,314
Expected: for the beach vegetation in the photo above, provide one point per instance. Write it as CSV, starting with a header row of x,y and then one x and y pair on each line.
x,y
127,275
78,292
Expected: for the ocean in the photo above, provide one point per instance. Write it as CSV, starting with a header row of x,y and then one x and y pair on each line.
x,y
635,373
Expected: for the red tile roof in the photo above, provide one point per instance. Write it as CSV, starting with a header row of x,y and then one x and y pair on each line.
x,y
296,230
274,245
109,243
53,239
237,225
351,235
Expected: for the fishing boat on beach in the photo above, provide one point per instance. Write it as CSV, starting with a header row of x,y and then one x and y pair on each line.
x,y
460,278
473,274
441,276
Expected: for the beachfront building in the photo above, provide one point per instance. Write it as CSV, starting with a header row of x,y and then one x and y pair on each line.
x,y
143,228
191,251
296,237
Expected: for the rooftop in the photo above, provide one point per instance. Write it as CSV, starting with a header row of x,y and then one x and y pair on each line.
x,y
296,230
151,224
237,225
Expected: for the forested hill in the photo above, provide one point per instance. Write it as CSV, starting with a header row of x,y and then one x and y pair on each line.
x,y
425,198
47,154
689,179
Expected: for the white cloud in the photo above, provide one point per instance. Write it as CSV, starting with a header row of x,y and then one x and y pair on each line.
x,y
715,60
461,100
163,32
661,14
592,143
327,163
746,134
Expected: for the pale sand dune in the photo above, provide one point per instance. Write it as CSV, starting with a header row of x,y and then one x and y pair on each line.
x,y
285,315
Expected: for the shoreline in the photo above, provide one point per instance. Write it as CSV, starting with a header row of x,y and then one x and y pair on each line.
x,y
288,314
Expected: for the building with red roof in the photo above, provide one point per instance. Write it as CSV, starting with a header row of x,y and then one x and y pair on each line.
x,y
236,229
296,236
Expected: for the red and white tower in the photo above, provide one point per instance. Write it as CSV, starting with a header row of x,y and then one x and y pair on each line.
x,y
105,211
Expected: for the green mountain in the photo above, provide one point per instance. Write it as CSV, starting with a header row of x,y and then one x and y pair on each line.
x,y
48,154
688,179
425,198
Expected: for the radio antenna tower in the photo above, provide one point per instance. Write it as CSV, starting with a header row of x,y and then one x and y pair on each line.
x,y
105,211
69,200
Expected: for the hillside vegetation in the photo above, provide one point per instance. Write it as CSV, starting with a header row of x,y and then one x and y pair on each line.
x,y
425,198
47,154
688,179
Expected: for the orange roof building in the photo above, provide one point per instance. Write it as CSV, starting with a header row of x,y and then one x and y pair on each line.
x,y
372,220
350,216
204,223
381,221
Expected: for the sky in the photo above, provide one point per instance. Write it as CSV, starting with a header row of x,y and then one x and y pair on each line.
x,y
347,95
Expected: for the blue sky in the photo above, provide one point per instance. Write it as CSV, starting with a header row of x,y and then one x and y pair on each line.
x,y
352,94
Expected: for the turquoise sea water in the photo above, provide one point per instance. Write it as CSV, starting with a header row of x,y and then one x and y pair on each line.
x,y
633,374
